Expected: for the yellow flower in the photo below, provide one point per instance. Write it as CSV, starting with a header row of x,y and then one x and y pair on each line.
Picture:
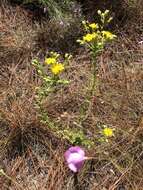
x,y
108,35
108,132
57,68
50,60
93,26
89,37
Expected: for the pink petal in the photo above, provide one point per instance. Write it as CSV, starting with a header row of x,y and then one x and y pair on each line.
x,y
72,167
75,158
76,149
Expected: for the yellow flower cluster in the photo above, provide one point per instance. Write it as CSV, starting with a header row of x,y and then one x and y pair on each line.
x,y
96,37
90,37
50,60
108,132
93,26
108,35
55,66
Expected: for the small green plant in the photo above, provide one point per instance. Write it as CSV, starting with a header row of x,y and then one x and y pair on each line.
x,y
77,137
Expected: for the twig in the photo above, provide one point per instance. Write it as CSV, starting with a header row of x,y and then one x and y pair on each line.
x,y
76,183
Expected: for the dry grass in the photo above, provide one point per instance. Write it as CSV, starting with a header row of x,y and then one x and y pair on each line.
x,y
30,155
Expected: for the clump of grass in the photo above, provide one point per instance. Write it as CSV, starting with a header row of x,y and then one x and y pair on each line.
x,y
57,9
54,9
59,36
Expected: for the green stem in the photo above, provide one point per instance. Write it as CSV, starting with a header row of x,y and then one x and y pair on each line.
x,y
93,89
91,92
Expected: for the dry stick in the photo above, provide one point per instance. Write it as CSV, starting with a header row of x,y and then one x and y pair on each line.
x,y
76,183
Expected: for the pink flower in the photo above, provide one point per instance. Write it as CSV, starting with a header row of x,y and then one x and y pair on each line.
x,y
75,157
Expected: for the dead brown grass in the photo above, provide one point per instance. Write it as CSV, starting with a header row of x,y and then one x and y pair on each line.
x,y
17,38
30,155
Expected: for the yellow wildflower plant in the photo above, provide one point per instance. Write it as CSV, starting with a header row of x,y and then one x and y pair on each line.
x,y
108,132
50,80
95,39
57,68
